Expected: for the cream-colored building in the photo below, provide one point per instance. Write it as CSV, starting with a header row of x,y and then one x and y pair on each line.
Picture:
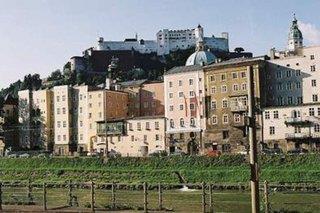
x,y
36,119
293,95
137,137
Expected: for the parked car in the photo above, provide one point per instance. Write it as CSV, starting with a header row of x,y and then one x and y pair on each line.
x,y
25,155
12,156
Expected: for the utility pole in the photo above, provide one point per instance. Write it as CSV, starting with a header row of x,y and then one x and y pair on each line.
x,y
254,180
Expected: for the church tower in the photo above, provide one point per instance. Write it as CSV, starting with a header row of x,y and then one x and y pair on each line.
x,y
295,39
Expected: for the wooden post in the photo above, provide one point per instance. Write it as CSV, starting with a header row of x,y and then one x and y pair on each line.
x,y
211,198
44,196
145,193
92,197
203,197
113,195
29,192
254,180
70,193
160,196
266,197
0,196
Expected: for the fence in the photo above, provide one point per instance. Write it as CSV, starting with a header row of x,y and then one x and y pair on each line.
x,y
144,197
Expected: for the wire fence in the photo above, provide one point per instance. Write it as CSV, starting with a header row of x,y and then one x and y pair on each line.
x,y
144,197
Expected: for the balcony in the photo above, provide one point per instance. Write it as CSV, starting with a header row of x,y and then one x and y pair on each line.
x,y
293,136
239,108
296,121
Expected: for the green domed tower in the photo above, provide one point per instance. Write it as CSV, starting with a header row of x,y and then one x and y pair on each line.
x,y
295,39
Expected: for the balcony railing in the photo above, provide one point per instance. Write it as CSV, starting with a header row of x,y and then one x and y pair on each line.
x,y
239,108
297,135
298,120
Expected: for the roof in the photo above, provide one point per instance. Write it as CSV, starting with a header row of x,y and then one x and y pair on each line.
x,y
132,83
238,61
182,69
200,58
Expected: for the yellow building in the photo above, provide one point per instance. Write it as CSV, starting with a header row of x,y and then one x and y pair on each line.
x,y
226,86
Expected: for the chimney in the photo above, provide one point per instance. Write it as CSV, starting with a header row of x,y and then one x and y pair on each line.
x,y
272,53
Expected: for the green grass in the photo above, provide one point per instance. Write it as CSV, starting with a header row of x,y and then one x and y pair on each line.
x,y
224,169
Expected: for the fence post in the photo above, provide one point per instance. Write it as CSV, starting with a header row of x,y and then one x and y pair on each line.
x,y
266,197
0,196
70,193
145,193
30,200
211,198
113,196
44,196
203,197
160,196
92,196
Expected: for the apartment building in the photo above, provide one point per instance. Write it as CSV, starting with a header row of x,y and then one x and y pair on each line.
x,y
36,119
293,95
2,138
226,91
136,137
184,108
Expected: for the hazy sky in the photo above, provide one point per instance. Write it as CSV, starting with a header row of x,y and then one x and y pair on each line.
x,y
39,36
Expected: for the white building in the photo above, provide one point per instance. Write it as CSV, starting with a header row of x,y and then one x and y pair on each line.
x,y
167,41
293,82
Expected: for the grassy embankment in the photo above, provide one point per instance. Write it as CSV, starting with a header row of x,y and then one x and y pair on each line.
x,y
225,169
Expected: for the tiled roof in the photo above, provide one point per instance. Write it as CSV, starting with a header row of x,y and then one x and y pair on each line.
x,y
132,83
182,69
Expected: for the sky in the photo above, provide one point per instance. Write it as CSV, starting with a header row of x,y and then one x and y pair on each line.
x,y
39,36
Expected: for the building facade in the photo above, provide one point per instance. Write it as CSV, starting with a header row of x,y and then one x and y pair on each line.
x,y
135,137
226,90
184,108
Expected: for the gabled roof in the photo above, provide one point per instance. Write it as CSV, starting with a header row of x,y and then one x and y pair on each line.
x,y
182,69
132,83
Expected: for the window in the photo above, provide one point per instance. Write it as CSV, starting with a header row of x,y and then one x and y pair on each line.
x,y
181,136
100,114
63,98
266,115
297,129
191,93
224,88
130,127
279,75
290,100
132,138
225,118
317,128
170,95
63,110
235,87
192,122
234,75
171,123
224,103
237,118
214,119
145,138
313,82
58,111
280,100
59,137
90,105
225,134
171,108
243,74
180,94
80,109
298,72
271,130
299,100
81,137
289,86
170,84
213,104
212,78
190,82
181,122
288,73
279,86
244,86
213,90
275,114
318,111
145,104
156,125
64,137
58,98
315,98
80,97
58,124
148,125
223,77
139,126
313,68
90,115
192,107
180,83
311,111
298,85
311,57
157,137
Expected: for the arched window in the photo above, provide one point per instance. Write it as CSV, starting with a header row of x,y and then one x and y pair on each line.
x,y
171,123
192,122
181,122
